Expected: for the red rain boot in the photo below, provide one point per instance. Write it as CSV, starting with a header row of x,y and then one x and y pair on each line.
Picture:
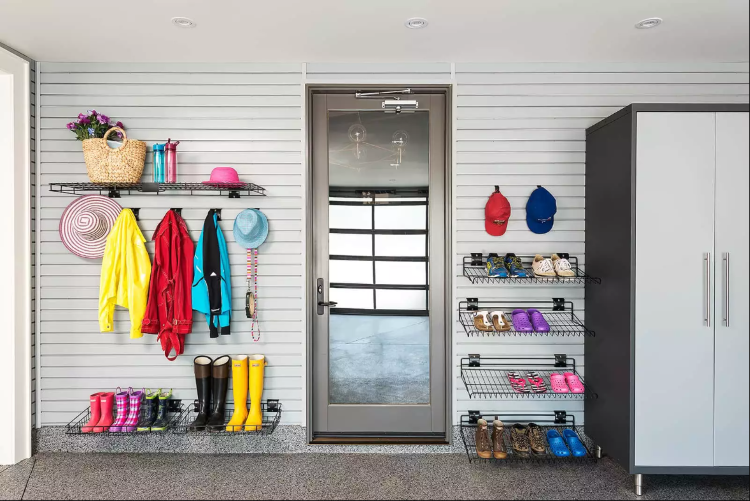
x,y
96,412
108,403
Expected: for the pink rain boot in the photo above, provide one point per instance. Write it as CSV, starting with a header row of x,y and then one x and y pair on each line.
x,y
121,397
131,423
95,409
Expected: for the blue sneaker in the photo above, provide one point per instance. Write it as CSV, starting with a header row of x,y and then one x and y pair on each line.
x,y
514,266
496,268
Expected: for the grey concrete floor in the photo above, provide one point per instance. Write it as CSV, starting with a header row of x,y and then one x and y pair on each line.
x,y
379,360
337,476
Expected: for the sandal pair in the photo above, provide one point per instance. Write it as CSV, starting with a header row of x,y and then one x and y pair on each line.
x,y
518,383
490,322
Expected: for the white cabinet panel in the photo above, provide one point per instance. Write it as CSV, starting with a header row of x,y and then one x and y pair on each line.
x,y
673,345
731,434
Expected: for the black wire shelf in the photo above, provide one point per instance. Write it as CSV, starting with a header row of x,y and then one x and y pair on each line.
x,y
271,417
474,268
559,314
116,190
489,377
76,426
557,420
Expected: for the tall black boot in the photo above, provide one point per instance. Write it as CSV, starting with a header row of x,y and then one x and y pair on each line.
x,y
202,368
220,383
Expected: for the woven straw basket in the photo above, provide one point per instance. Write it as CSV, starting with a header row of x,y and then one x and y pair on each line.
x,y
119,165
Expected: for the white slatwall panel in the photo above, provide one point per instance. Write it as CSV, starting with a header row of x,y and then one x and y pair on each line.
x,y
248,116
523,125
516,126
32,86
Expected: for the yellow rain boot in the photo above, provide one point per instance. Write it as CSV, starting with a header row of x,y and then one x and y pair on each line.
x,y
239,390
257,367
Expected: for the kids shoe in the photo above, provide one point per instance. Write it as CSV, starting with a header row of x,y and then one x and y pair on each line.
x,y
496,268
483,444
514,265
574,443
521,321
520,440
95,408
150,408
556,444
134,411
122,399
107,407
562,267
162,417
536,439
538,321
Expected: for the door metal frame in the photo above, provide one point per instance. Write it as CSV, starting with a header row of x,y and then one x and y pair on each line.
x,y
311,306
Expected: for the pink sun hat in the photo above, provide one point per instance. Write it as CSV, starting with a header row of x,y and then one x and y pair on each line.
x,y
223,175
85,224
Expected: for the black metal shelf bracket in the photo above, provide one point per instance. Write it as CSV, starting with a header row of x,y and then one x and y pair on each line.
x,y
559,304
474,417
561,360
475,360
472,303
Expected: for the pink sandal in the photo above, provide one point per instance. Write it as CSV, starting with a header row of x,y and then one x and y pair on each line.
x,y
574,383
557,381
537,383
517,383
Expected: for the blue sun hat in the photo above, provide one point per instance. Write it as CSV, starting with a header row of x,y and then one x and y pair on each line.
x,y
251,228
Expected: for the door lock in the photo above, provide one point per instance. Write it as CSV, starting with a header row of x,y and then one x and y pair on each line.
x,y
322,303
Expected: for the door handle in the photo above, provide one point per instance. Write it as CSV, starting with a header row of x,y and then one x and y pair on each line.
x,y
707,292
322,303
726,289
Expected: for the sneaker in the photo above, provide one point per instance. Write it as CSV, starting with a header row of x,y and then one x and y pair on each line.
x,y
483,445
536,439
496,268
520,440
498,440
543,267
514,265
562,266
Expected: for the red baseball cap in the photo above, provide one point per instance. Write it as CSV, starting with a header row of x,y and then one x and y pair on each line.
x,y
496,214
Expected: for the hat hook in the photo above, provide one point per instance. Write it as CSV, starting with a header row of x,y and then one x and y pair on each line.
x,y
497,189
218,214
136,213
177,211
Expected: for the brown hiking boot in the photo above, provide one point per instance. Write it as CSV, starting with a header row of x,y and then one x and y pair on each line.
x,y
498,442
484,447
520,440
536,438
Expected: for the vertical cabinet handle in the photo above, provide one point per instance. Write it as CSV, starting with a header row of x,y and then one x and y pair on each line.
x,y
726,289
707,261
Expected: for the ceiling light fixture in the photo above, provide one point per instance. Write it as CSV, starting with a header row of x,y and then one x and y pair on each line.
x,y
649,23
416,23
183,22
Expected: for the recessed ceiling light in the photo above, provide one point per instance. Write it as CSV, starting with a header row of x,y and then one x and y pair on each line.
x,y
416,23
649,23
183,22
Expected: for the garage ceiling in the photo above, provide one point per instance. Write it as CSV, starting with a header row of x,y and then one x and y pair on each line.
x,y
373,31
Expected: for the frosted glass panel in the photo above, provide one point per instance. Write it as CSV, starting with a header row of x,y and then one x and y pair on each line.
x,y
401,217
347,217
401,245
350,272
401,273
401,300
352,298
341,244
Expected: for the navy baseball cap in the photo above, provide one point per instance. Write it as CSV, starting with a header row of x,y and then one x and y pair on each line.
x,y
540,211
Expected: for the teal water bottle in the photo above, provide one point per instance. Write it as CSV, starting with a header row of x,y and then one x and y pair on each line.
x,y
159,163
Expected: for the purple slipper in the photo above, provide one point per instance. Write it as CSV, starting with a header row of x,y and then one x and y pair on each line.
x,y
521,322
538,321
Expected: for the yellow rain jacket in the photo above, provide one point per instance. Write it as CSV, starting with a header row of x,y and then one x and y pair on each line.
x,y
126,270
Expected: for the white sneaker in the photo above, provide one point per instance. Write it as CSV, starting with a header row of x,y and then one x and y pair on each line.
x,y
542,266
562,266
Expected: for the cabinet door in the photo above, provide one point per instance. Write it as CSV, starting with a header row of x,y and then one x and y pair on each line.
x,y
732,321
674,345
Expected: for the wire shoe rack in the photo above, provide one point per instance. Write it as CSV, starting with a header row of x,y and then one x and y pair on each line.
x,y
474,268
559,314
75,427
557,420
488,377
271,410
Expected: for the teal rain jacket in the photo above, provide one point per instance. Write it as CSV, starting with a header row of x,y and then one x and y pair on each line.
x,y
212,287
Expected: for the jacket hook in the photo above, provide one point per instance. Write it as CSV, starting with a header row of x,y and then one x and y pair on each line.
x,y
177,211
218,214
497,189
136,213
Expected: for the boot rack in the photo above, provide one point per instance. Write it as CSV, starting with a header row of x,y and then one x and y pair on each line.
x,y
271,410
175,409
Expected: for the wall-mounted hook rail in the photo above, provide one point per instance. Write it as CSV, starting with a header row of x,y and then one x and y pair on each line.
x,y
177,211
136,213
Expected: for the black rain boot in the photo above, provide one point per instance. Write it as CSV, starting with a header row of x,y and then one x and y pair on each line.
x,y
149,410
162,419
220,377
202,368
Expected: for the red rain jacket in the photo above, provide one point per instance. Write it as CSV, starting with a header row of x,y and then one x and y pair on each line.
x,y
169,312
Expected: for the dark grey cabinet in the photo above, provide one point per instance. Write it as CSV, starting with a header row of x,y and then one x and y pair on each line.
x,y
665,188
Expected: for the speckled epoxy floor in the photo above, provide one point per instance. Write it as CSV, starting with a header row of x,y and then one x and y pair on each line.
x,y
336,476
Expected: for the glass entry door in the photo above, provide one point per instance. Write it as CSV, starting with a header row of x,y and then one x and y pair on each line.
x,y
379,335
